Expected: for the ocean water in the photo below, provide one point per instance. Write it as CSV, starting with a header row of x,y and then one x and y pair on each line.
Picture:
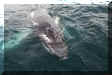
x,y
1,40
1,48
85,32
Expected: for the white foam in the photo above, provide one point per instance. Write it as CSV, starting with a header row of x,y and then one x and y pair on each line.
x,y
57,20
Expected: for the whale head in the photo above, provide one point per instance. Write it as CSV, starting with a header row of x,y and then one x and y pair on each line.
x,y
49,34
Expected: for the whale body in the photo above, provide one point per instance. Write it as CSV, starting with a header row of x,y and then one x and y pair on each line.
x,y
49,33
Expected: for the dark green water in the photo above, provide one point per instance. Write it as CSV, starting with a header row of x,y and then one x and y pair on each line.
x,y
85,31
1,48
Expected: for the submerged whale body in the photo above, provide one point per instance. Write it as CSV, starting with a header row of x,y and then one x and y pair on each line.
x,y
49,33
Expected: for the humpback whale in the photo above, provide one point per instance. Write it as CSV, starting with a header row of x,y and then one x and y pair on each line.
x,y
49,32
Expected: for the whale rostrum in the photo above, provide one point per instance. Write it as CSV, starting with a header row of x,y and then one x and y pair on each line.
x,y
49,33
